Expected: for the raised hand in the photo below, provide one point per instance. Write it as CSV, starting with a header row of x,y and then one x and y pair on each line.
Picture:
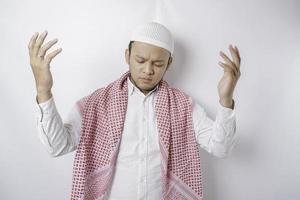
x,y
231,75
40,62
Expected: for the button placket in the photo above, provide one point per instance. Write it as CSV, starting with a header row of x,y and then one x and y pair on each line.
x,y
143,154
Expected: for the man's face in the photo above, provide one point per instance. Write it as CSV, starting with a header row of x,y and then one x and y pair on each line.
x,y
147,65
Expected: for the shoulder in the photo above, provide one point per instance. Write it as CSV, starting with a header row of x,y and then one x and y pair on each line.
x,y
82,102
96,96
180,94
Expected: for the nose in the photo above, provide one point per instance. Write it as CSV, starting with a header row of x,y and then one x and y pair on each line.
x,y
148,69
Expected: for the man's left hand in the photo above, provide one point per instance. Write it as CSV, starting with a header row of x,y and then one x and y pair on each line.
x,y
231,75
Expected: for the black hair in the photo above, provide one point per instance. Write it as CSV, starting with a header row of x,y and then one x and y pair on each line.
x,y
129,46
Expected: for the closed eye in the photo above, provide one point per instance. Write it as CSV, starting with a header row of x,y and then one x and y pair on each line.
x,y
158,65
140,61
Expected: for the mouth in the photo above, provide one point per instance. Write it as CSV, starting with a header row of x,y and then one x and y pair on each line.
x,y
146,80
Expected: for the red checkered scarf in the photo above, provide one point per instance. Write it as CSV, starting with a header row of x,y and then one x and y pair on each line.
x,y
103,115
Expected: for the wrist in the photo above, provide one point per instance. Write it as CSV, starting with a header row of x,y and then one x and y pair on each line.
x,y
228,102
43,96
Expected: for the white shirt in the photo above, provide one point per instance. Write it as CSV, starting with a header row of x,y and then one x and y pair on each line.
x,y
137,174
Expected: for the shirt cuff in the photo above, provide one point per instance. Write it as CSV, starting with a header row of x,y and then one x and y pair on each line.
x,y
224,113
45,109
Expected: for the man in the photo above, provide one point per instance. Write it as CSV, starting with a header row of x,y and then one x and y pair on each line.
x,y
136,138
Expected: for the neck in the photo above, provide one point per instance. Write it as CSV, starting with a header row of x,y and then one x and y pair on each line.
x,y
145,92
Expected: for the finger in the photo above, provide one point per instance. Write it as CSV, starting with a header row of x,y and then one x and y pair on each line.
x,y
39,42
238,54
51,55
230,63
227,60
229,68
234,55
32,41
44,48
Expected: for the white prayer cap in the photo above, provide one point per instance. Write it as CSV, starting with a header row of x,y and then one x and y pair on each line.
x,y
154,33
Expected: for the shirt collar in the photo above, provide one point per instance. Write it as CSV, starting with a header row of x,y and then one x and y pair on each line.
x,y
132,88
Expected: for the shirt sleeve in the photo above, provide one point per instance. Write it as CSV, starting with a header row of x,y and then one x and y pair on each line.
x,y
57,136
217,136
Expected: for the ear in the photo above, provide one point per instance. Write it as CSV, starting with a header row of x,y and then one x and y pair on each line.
x,y
127,58
169,63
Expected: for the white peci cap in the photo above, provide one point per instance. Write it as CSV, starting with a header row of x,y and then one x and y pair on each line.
x,y
154,33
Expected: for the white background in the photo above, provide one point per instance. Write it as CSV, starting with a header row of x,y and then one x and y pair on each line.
x,y
264,164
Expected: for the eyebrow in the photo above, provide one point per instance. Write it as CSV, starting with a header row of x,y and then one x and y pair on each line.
x,y
160,60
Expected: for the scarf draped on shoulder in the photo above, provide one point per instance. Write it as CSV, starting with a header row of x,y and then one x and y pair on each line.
x,y
103,116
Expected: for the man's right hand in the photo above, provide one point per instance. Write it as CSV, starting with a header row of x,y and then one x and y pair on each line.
x,y
40,64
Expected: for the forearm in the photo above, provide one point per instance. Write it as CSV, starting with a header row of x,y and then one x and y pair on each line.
x,y
215,136
53,133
